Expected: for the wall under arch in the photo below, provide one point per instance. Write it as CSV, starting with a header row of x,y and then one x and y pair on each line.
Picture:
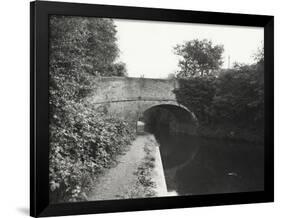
x,y
171,118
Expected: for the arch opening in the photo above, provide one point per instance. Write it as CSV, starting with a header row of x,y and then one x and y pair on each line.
x,y
168,119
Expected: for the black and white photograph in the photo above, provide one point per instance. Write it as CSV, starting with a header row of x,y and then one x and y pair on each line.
x,y
142,109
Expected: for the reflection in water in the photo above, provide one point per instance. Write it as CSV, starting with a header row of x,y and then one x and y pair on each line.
x,y
194,165
197,165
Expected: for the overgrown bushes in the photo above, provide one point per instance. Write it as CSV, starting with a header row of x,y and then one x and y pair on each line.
x,y
197,94
87,143
82,140
229,105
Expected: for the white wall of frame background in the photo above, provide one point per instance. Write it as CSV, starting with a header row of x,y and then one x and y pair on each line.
x,y
14,110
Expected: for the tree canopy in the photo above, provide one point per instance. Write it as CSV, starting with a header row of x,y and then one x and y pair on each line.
x,y
198,57
88,44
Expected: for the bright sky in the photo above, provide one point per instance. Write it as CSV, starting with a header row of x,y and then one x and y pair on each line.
x,y
147,46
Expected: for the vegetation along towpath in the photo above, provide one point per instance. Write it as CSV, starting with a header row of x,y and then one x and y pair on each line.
x,y
138,173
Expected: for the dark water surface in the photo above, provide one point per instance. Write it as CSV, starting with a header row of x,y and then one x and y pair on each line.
x,y
195,165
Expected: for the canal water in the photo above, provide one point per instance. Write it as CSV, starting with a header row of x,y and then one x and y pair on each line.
x,y
195,165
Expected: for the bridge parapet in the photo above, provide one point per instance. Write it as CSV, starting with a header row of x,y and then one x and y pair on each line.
x,y
110,89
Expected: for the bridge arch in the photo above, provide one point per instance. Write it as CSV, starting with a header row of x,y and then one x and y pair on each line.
x,y
179,117
160,103
129,98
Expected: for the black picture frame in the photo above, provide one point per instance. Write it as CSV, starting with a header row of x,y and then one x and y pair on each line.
x,y
39,118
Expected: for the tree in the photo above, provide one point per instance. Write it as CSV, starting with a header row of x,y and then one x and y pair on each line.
x,y
117,69
86,45
80,47
82,140
259,55
198,57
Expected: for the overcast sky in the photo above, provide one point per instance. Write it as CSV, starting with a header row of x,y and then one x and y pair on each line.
x,y
147,46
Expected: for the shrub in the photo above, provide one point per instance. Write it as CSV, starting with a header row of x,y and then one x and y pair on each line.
x,y
87,143
231,104
197,93
239,96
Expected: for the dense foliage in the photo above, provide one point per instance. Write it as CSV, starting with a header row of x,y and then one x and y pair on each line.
x,y
239,96
81,148
229,105
82,141
198,57
85,43
197,94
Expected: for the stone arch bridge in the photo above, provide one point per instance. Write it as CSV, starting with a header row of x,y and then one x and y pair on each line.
x,y
129,98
